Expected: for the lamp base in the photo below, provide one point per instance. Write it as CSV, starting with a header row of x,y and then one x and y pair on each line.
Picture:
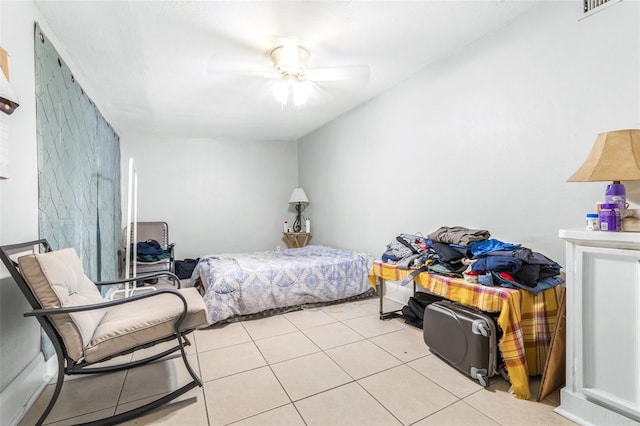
x,y
297,225
616,194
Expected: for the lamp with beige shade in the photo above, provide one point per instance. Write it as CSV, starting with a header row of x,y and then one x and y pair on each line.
x,y
615,156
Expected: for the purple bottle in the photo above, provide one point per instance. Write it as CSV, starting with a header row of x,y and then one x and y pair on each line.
x,y
609,217
616,194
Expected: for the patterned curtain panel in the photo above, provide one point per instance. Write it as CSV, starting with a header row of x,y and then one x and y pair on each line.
x,y
78,167
109,226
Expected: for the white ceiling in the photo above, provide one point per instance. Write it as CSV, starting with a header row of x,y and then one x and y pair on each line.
x,y
187,68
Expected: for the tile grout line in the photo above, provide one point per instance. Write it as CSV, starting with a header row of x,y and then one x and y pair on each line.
x,y
204,394
274,375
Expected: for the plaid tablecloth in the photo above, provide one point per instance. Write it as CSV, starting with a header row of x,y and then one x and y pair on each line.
x,y
527,321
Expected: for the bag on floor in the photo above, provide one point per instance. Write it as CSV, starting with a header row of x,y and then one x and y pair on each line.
x,y
184,268
413,312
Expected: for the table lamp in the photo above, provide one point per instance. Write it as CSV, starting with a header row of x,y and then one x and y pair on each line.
x,y
299,198
615,156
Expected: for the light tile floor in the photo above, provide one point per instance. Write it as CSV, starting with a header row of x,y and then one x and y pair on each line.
x,y
337,365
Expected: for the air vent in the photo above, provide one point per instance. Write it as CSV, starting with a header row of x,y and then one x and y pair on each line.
x,y
589,7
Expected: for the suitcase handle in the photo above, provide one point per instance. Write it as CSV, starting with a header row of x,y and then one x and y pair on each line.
x,y
480,327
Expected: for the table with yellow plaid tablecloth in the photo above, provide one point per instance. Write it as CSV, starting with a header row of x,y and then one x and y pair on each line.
x,y
527,321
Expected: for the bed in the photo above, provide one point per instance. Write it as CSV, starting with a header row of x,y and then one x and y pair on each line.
x,y
248,285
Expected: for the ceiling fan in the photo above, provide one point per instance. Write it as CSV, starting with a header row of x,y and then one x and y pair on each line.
x,y
296,82
291,60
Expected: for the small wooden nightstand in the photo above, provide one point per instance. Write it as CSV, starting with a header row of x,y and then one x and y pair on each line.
x,y
296,239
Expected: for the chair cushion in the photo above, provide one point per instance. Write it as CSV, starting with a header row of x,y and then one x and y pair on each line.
x,y
143,321
57,280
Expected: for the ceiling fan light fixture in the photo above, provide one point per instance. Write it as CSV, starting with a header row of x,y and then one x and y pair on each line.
x,y
290,87
290,59
281,92
301,92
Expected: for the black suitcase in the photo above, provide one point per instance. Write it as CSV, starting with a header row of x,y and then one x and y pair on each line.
x,y
464,337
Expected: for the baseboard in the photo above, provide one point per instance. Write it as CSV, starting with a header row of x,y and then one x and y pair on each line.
x,y
22,392
577,408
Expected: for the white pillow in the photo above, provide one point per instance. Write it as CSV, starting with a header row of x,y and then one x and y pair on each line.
x,y
66,276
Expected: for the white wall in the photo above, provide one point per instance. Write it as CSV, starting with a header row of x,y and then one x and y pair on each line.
x,y
22,368
19,194
19,337
216,195
485,138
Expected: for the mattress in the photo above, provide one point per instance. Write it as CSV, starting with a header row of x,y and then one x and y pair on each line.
x,y
248,283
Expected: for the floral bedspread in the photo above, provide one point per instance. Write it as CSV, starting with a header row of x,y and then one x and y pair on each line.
x,y
248,283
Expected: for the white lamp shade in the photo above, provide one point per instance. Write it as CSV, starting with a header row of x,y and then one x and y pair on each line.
x,y
298,196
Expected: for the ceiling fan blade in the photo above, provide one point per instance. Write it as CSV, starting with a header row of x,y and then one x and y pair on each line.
x,y
240,69
356,73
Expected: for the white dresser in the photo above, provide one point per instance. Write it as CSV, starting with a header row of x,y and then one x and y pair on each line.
x,y
603,328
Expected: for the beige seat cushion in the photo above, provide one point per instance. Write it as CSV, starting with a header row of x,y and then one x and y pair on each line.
x,y
58,280
142,321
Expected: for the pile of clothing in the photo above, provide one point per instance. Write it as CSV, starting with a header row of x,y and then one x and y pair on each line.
x,y
151,251
456,251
